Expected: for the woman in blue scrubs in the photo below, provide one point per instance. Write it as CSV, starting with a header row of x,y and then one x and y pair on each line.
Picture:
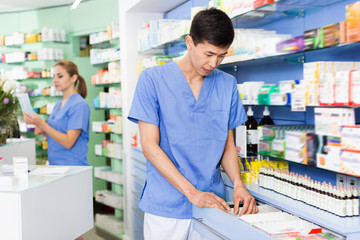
x,y
67,128
186,112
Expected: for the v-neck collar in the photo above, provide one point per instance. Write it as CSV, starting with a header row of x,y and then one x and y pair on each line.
x,y
60,108
200,103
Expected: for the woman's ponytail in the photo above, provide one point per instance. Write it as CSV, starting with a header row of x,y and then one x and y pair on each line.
x,y
81,86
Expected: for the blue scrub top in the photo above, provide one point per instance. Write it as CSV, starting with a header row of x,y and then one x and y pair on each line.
x,y
75,114
192,133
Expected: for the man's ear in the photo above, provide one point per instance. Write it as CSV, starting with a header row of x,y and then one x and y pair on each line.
x,y
189,42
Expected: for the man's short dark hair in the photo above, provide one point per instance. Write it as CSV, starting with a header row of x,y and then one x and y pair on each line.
x,y
214,26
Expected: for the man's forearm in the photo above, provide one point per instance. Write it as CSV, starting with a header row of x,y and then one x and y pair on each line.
x,y
167,169
229,161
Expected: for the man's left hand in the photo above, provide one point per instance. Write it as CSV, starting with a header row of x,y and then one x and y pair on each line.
x,y
242,195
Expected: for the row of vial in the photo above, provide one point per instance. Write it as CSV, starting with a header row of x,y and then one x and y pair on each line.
x,y
341,201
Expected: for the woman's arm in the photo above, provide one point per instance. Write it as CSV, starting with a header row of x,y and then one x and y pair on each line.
x,y
67,139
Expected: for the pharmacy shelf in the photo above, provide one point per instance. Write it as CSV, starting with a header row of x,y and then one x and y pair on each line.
x,y
297,57
105,62
159,49
34,43
333,106
45,96
107,133
107,84
111,205
106,174
106,234
108,157
108,109
347,226
27,61
25,79
282,9
106,43
266,155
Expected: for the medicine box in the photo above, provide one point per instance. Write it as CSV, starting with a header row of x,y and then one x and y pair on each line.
x,y
350,137
350,162
353,22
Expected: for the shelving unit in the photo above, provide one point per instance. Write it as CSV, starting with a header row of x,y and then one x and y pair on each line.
x,y
159,49
286,16
36,65
34,43
106,233
273,12
114,165
107,84
297,57
347,226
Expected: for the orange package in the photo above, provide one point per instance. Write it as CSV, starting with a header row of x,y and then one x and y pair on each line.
x,y
353,22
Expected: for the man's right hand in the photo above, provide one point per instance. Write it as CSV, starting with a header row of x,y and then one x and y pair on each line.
x,y
208,199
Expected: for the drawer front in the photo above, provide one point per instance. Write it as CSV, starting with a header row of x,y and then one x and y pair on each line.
x,y
205,231
227,225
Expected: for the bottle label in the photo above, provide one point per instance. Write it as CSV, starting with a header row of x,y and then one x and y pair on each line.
x,y
252,137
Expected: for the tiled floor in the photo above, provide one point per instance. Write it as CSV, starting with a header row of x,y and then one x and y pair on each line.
x,y
91,235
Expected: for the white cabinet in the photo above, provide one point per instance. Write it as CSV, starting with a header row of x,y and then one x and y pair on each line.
x,y
53,207
18,147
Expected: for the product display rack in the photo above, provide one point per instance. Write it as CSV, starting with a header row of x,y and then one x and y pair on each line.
x,y
278,10
346,226
108,84
284,159
287,12
34,65
109,157
34,79
32,43
108,133
119,109
296,57
106,43
106,233
156,50
104,63
115,164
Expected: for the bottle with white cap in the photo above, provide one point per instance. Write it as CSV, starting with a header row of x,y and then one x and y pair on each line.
x,y
20,166
266,120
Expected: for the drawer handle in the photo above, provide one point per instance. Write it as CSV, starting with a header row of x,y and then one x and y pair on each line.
x,y
199,221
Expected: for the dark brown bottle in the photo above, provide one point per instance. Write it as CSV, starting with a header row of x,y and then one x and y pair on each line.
x,y
251,133
266,120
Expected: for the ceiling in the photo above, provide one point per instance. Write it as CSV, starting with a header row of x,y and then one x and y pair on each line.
x,y
22,5
156,6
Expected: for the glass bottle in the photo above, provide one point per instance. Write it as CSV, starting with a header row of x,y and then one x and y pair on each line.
x,y
251,133
266,120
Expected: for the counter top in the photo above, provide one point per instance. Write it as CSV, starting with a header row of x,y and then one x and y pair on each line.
x,y
33,181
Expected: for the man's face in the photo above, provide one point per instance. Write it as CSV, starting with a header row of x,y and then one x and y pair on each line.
x,y
205,57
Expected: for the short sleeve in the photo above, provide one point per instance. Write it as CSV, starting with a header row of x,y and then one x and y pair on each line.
x,y
79,115
145,105
237,112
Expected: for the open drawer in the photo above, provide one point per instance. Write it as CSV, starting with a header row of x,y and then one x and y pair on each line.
x,y
269,223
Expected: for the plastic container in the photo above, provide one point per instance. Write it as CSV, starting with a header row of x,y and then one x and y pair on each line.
x,y
20,166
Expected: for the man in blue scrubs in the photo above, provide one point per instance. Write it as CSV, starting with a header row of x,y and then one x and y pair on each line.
x,y
186,112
